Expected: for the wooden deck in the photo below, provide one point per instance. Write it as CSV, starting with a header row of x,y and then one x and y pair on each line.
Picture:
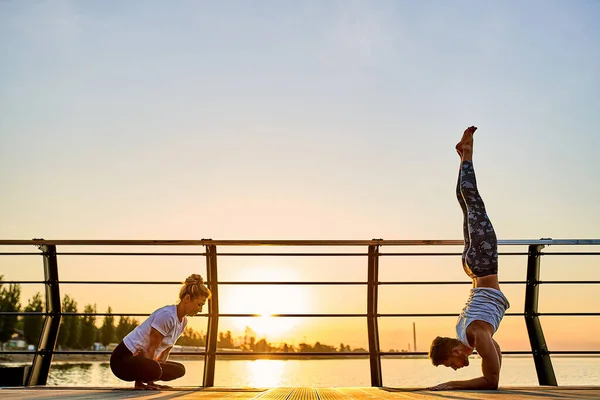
x,y
299,393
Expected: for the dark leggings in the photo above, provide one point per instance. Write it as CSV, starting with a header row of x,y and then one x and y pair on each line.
x,y
130,368
480,256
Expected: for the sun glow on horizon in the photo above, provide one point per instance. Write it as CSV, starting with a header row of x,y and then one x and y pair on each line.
x,y
266,301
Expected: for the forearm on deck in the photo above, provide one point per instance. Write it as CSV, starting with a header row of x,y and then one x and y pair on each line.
x,y
475,383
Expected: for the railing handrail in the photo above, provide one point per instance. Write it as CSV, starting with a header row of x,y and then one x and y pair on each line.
x,y
293,242
53,314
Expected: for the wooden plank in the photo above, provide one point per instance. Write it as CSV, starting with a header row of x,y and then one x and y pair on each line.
x,y
276,394
331,394
304,393
223,393
521,393
39,394
366,393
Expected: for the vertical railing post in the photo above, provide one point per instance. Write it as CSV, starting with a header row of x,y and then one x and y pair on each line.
x,y
213,317
42,358
372,328
541,358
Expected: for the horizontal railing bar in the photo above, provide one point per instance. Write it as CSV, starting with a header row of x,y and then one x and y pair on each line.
x,y
71,253
305,283
416,283
292,283
423,353
249,354
252,283
397,315
283,315
568,282
574,253
95,282
20,254
561,314
119,283
294,254
587,253
179,283
30,313
235,315
204,254
99,352
78,314
504,352
193,353
251,254
204,242
293,354
501,282
360,254
446,254
548,314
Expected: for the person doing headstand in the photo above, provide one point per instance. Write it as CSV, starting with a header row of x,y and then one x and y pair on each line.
x,y
486,304
142,355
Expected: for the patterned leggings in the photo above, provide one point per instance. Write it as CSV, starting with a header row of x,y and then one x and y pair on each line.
x,y
480,256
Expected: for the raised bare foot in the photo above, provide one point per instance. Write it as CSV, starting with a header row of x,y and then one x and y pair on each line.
x,y
465,146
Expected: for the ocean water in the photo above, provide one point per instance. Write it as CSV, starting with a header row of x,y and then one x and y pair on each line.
x,y
516,371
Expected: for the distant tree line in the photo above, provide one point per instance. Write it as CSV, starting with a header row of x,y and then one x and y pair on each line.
x,y
9,302
81,332
76,331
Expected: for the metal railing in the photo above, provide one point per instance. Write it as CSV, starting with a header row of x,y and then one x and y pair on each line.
x,y
42,356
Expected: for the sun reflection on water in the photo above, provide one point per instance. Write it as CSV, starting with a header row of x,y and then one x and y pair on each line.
x,y
265,373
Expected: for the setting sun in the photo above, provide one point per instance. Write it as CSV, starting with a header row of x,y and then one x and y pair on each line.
x,y
265,301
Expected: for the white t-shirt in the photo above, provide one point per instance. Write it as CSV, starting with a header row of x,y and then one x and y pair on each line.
x,y
165,321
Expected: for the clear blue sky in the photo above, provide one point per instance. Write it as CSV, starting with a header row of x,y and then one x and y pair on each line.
x,y
296,120
184,119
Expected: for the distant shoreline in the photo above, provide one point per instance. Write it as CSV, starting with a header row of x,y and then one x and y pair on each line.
x,y
82,358
25,358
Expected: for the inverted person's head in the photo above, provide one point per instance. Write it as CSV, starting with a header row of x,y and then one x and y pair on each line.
x,y
448,352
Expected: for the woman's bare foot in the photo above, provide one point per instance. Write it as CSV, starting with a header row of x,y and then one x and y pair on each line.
x,y
139,385
464,148
152,386
163,386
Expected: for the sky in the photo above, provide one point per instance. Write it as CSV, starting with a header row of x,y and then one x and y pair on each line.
x,y
301,120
